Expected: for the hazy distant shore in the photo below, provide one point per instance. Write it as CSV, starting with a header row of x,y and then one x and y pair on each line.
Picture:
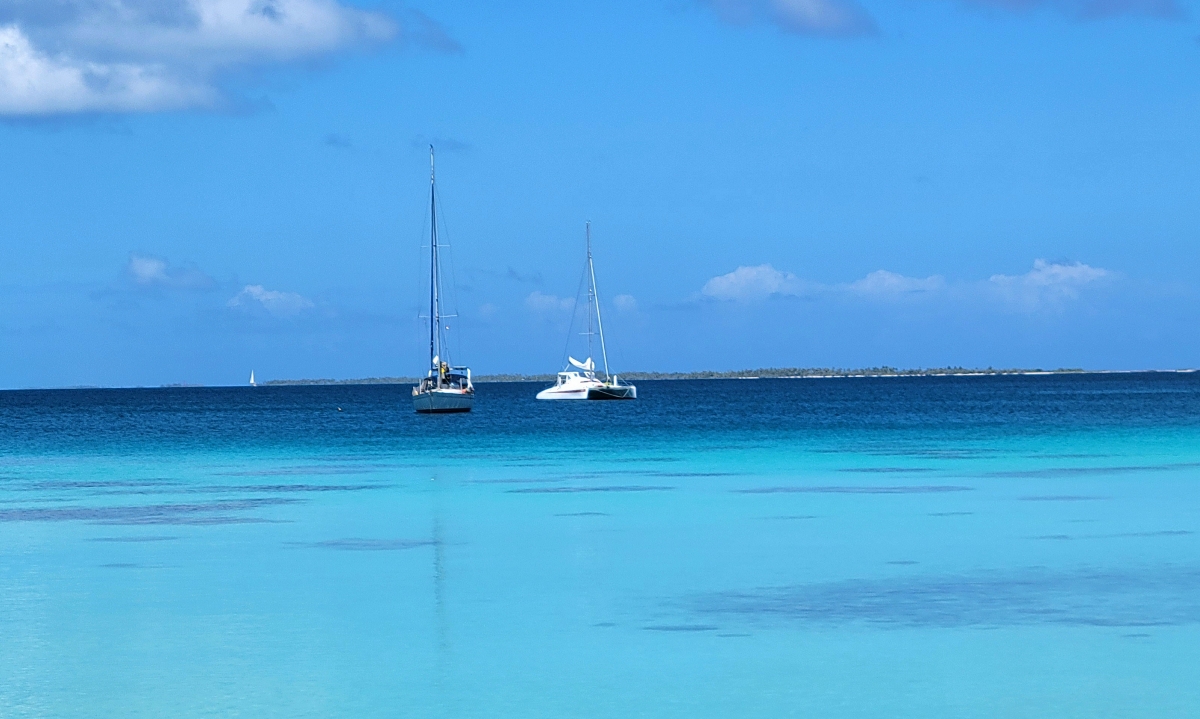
x,y
768,373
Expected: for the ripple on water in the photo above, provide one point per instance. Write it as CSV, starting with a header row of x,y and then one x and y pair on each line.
x,y
573,490
1162,596
919,489
1061,498
195,513
1078,471
356,544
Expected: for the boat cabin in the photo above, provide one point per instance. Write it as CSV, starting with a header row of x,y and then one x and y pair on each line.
x,y
446,378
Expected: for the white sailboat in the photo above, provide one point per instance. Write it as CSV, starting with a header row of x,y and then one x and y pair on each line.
x,y
252,382
445,388
582,382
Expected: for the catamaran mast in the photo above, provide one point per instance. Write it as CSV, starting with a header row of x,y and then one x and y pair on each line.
x,y
434,318
591,293
595,297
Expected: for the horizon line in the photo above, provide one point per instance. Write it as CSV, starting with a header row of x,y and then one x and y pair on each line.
x,y
640,376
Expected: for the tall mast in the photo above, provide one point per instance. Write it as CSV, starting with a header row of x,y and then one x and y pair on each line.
x,y
434,315
595,297
591,290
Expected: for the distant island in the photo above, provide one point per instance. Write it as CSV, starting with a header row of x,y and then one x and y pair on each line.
x,y
765,373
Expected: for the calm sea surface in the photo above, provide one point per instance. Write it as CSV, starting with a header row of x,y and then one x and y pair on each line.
x,y
913,547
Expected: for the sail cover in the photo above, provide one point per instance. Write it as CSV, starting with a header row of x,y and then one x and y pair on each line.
x,y
587,366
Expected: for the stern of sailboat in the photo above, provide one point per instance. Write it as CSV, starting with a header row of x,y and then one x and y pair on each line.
x,y
613,391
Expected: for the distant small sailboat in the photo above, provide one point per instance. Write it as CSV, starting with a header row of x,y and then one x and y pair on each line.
x,y
445,388
252,382
582,383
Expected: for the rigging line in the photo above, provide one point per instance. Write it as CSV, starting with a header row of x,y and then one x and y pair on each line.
x,y
450,350
596,297
418,268
574,313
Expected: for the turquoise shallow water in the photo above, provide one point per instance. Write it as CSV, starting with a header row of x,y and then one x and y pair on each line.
x,y
917,547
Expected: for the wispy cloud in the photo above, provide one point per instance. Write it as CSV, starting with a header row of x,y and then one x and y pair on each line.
x,y
150,271
548,304
827,18
625,303
1090,9
849,19
280,304
524,277
1048,284
61,57
751,283
882,282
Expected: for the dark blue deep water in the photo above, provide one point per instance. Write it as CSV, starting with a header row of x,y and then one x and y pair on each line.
x,y
909,547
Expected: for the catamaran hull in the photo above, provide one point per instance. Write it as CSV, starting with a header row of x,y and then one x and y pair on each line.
x,y
442,402
594,392
623,391
556,393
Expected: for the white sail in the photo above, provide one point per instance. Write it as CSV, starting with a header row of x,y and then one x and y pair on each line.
x,y
252,382
587,366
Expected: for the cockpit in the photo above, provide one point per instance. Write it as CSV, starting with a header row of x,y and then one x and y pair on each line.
x,y
446,377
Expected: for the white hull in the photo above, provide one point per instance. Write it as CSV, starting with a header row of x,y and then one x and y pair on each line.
x,y
584,384
563,393
443,400
574,386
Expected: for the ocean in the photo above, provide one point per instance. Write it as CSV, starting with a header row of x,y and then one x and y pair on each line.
x,y
999,546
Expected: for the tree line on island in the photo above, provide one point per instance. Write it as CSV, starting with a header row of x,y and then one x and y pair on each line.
x,y
765,373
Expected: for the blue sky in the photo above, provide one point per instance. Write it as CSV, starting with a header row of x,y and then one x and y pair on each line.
x,y
195,188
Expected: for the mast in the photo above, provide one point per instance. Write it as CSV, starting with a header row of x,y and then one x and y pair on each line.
x,y
434,318
591,290
595,298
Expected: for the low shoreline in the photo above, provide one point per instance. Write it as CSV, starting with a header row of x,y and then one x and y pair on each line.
x,y
766,373
769,373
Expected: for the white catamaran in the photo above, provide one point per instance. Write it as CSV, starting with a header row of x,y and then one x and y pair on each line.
x,y
446,388
582,382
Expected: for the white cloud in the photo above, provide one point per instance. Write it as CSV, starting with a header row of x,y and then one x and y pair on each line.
x,y
34,83
72,56
751,283
147,270
548,304
830,18
756,283
1047,282
281,304
882,282
150,271
625,303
